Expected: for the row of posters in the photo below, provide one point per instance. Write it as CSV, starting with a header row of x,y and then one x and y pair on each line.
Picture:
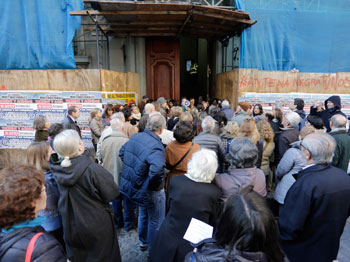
x,y
283,100
19,108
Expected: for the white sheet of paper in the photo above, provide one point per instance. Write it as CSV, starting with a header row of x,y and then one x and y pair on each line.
x,y
197,231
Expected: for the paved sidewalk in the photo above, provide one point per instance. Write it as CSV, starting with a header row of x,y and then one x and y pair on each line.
x,y
130,251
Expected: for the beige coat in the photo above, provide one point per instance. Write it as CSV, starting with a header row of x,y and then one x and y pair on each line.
x,y
267,157
110,147
96,127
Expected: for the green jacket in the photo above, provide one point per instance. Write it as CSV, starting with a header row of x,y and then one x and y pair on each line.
x,y
342,151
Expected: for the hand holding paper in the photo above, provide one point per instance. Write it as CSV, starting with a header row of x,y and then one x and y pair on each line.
x,y
198,231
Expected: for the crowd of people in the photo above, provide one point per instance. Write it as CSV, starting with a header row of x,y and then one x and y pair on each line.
x,y
273,184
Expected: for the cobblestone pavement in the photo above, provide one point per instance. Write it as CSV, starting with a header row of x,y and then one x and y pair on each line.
x,y
130,251
129,247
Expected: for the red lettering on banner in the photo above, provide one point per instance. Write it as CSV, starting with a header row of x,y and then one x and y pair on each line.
x,y
11,133
7,106
77,105
340,82
243,82
44,106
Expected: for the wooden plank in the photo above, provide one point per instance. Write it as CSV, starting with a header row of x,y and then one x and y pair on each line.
x,y
223,17
135,29
253,80
74,80
217,10
143,34
227,86
107,13
138,23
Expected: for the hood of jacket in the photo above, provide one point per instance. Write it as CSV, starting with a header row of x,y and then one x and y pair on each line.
x,y
8,240
301,113
68,176
335,100
296,144
210,251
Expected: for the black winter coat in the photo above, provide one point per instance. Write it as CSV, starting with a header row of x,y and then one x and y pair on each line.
x,y
187,199
314,214
286,138
13,246
208,250
327,114
88,222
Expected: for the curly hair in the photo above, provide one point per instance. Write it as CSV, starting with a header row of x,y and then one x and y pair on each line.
x,y
265,130
248,129
231,128
20,186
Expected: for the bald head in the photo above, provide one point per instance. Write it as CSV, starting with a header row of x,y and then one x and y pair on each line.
x,y
338,121
149,108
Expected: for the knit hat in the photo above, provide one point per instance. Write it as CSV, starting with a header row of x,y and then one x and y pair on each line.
x,y
161,100
244,105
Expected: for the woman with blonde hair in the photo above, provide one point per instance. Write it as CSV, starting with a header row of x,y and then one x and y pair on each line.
x,y
186,116
267,136
96,126
175,113
86,190
230,131
38,155
248,129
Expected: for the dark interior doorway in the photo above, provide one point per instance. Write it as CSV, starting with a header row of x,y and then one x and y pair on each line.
x,y
194,65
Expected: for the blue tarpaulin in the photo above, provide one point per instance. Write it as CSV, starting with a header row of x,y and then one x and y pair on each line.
x,y
37,34
309,35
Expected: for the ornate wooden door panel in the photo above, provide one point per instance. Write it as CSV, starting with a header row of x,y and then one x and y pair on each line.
x,y
163,68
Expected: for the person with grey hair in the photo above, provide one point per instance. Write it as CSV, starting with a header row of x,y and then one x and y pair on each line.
x,y
242,171
342,153
111,161
316,208
149,109
70,122
106,132
210,140
142,178
227,110
41,125
289,135
190,195
85,192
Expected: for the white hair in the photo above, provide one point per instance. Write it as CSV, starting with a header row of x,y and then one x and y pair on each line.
x,y
202,167
66,145
119,115
208,124
320,146
225,103
293,119
117,124
149,108
338,121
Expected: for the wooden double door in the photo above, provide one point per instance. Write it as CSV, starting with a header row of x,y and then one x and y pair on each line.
x,y
163,68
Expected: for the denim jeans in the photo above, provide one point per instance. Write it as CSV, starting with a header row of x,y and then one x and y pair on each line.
x,y
151,218
126,220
